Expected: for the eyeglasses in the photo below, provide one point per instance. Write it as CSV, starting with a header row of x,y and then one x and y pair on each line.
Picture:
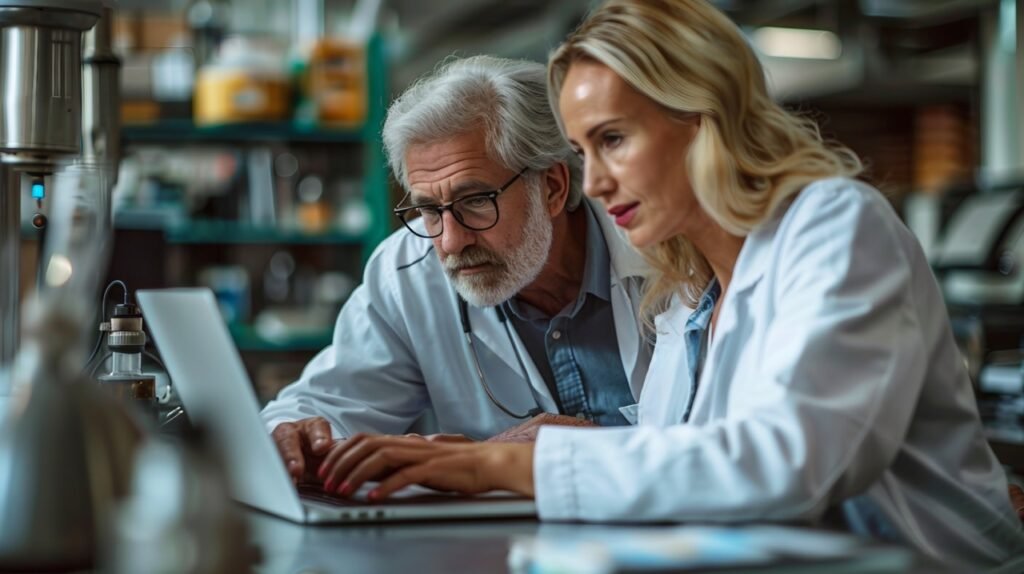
x,y
477,211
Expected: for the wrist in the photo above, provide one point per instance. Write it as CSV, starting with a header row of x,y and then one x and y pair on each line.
x,y
512,467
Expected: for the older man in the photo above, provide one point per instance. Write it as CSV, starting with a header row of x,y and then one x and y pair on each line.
x,y
504,296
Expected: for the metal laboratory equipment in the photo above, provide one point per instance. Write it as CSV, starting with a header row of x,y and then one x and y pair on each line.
x,y
57,426
60,100
127,343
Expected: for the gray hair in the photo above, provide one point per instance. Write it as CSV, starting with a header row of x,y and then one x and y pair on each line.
x,y
507,97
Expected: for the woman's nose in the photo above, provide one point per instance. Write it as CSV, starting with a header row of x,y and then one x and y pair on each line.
x,y
596,179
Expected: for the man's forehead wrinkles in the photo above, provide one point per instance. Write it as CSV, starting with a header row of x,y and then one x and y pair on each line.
x,y
451,192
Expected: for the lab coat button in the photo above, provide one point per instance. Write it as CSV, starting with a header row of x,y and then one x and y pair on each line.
x,y
556,335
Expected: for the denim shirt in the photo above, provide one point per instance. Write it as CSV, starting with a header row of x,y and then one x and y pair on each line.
x,y
576,351
695,334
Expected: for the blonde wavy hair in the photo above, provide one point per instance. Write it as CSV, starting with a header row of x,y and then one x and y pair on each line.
x,y
749,155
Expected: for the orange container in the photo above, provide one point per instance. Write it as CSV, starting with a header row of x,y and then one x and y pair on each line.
x,y
336,81
247,82
224,95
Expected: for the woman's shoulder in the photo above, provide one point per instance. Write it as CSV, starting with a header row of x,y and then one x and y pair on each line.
x,y
829,217
841,203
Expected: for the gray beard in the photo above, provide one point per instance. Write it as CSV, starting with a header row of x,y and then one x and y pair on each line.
x,y
510,273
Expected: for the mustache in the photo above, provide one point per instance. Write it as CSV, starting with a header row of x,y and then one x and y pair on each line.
x,y
470,257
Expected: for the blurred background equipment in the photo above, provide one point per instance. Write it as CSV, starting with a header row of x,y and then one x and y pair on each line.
x,y
41,119
125,379
247,81
56,424
179,516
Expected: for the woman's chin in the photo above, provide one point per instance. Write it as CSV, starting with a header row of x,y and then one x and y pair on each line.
x,y
642,238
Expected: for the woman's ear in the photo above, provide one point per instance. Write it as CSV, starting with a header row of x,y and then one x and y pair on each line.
x,y
555,181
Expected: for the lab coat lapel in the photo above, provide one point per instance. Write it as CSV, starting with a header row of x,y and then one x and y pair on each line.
x,y
667,390
733,329
490,334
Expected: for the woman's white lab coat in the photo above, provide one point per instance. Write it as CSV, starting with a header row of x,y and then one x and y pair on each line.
x,y
832,383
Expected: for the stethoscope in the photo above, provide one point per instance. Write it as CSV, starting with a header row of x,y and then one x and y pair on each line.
x,y
467,330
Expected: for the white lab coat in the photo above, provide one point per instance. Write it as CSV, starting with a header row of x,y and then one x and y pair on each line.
x,y
399,350
832,376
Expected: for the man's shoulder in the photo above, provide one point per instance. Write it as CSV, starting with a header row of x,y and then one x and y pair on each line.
x,y
405,266
403,253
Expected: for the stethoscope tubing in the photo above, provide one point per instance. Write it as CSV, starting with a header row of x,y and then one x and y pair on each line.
x,y
467,331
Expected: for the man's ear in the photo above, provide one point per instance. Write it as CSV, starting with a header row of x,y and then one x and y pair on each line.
x,y
555,182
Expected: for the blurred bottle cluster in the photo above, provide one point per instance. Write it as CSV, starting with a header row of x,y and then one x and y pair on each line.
x,y
216,63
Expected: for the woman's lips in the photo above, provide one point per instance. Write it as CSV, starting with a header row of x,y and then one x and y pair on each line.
x,y
623,214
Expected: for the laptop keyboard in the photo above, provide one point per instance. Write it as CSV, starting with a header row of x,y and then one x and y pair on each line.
x,y
316,493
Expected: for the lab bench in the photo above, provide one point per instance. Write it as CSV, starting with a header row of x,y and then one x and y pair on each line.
x,y
434,547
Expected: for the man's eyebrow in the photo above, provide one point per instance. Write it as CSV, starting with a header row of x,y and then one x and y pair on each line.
x,y
463,188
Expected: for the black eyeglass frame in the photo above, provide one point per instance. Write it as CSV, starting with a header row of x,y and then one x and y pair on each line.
x,y
440,209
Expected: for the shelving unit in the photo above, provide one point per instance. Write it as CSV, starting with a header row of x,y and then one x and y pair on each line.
x,y
184,130
171,251
205,232
367,136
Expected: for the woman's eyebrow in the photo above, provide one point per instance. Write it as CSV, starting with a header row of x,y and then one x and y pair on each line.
x,y
593,129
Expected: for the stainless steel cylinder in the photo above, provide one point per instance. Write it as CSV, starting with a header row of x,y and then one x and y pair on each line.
x,y
41,78
101,104
41,82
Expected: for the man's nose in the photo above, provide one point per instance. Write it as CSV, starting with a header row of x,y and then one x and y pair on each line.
x,y
454,236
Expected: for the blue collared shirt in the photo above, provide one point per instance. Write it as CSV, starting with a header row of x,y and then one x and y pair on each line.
x,y
576,351
695,334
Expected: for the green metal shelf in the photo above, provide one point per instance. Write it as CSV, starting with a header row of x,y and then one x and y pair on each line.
x,y
247,339
165,131
368,136
199,232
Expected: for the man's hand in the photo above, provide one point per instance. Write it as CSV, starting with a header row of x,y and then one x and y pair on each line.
x,y
302,445
397,462
527,431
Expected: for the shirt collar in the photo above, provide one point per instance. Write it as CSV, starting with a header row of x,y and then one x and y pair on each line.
x,y
701,316
596,271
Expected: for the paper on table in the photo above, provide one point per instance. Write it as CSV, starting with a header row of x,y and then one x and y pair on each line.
x,y
594,550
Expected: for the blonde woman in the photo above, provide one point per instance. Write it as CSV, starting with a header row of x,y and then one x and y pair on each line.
x,y
804,370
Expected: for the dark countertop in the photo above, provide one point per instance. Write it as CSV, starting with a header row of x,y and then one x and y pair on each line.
x,y
423,548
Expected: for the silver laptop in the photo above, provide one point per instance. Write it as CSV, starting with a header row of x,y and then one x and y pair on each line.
x,y
208,375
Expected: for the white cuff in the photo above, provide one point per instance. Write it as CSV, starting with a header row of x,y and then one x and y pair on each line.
x,y
553,475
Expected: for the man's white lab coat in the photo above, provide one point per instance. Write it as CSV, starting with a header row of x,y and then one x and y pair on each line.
x,y
399,349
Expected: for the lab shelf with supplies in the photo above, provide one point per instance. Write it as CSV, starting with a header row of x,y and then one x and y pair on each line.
x,y
173,235
165,131
201,232
366,137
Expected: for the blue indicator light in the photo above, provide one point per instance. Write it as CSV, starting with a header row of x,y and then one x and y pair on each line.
x,y
38,191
